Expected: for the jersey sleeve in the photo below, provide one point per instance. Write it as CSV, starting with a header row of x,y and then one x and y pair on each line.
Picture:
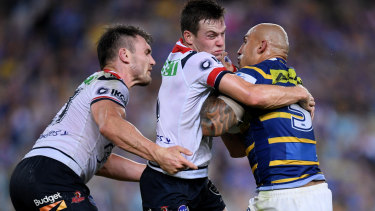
x,y
253,74
109,88
203,68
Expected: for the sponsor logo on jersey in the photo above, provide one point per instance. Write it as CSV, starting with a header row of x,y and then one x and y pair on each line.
x,y
285,76
170,68
47,199
118,95
90,79
183,208
213,188
60,205
163,139
54,133
91,200
77,198
206,64
102,91
164,208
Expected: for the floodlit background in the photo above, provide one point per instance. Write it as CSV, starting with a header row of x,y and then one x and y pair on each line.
x,y
47,48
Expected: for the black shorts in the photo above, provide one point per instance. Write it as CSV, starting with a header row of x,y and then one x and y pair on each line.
x,y
42,183
162,192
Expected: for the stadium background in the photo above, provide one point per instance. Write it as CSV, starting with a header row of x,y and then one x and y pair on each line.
x,y
48,47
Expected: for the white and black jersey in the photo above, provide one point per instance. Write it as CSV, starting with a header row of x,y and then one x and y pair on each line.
x,y
188,77
73,137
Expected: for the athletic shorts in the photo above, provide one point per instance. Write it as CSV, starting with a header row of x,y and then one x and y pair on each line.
x,y
162,192
42,183
311,198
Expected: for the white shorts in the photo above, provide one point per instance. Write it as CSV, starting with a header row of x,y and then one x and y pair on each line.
x,y
311,198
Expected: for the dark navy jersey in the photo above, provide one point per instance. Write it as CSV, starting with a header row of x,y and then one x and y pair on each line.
x,y
281,145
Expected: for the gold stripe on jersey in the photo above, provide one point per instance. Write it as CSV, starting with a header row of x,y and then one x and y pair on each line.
x,y
288,139
260,71
273,115
290,179
292,162
254,167
251,147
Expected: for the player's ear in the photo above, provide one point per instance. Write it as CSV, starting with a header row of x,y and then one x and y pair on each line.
x,y
262,47
123,55
188,37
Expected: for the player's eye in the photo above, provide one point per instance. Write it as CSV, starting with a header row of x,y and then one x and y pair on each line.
x,y
211,36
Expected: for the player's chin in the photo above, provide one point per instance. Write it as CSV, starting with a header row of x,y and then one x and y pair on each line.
x,y
147,80
218,57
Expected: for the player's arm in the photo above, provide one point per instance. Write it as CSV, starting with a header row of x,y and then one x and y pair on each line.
x,y
217,117
110,118
234,144
120,168
264,96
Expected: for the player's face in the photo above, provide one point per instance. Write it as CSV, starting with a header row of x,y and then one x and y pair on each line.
x,y
142,61
210,37
247,54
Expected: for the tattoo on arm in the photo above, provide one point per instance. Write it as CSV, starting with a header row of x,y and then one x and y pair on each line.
x,y
216,117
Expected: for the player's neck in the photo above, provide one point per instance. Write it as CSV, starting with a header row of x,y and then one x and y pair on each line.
x,y
273,55
122,73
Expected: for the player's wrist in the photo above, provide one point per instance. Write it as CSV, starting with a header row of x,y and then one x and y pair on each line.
x,y
302,93
156,153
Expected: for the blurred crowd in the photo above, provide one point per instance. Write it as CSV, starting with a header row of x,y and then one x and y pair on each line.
x,y
47,48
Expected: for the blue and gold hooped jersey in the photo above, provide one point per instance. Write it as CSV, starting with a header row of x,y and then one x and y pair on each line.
x,y
281,146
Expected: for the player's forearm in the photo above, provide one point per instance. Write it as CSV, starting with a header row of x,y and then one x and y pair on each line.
x,y
120,168
234,144
270,96
127,137
261,96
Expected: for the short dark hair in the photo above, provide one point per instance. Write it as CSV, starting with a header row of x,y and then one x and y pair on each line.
x,y
117,36
197,10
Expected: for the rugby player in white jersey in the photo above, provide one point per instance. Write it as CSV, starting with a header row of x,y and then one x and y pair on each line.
x,y
191,72
280,143
78,142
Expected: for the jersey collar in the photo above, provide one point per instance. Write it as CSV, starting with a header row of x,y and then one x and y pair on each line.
x,y
112,72
179,47
278,59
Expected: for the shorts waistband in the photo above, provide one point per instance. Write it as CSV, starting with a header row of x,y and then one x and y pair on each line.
x,y
201,172
59,156
298,190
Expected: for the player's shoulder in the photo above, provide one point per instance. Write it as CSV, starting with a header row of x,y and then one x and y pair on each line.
x,y
273,63
254,73
258,68
202,59
104,77
263,67
197,57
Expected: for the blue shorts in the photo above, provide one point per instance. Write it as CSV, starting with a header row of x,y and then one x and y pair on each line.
x,y
163,192
42,183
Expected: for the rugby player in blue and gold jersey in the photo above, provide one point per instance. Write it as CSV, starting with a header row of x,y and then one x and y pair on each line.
x,y
280,143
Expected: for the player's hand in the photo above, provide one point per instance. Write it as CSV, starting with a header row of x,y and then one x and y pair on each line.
x,y
308,103
227,63
171,160
312,113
